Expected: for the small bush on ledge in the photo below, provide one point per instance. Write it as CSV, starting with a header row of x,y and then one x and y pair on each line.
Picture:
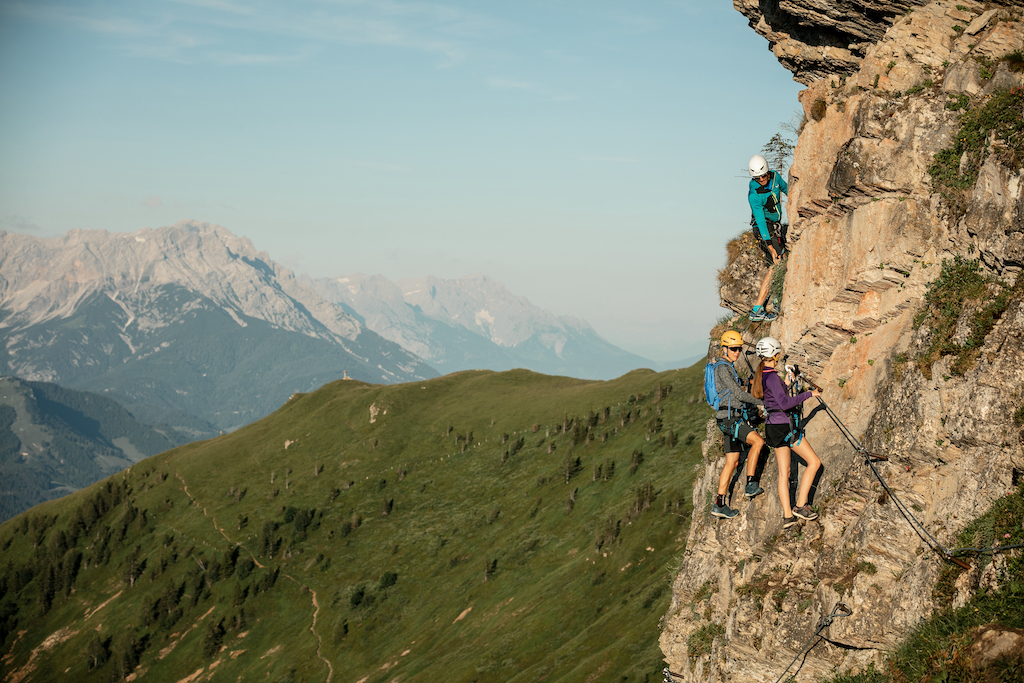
x,y
700,641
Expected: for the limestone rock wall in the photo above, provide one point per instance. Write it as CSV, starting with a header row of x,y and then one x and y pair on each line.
x,y
868,234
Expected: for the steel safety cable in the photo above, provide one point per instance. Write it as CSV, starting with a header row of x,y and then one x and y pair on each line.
x,y
915,524
840,610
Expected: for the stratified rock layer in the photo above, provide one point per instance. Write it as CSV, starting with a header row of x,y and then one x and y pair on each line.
x,y
869,232
816,39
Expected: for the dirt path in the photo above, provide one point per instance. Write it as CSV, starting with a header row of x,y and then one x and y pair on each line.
x,y
213,519
312,627
316,605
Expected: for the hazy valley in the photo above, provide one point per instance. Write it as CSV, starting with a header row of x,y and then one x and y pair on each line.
x,y
54,441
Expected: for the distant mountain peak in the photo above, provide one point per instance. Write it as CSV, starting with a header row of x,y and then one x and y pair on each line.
x,y
199,256
475,322
91,305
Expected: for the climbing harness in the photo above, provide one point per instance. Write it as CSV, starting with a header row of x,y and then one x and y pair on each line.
x,y
796,428
731,427
776,237
840,610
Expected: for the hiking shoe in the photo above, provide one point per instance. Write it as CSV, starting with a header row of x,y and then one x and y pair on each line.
x,y
753,489
788,522
805,512
756,315
767,316
724,511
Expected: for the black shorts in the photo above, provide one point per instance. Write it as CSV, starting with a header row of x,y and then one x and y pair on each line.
x,y
775,435
734,434
777,230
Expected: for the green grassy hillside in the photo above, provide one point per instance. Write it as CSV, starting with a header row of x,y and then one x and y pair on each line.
x,y
476,527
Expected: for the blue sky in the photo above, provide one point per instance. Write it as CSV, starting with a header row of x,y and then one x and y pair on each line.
x,y
588,154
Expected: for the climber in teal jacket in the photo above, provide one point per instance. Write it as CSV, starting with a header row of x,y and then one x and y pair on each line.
x,y
764,194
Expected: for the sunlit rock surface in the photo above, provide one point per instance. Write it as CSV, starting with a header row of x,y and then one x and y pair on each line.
x,y
868,234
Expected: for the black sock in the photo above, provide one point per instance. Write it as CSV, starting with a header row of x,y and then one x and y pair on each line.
x,y
719,499
750,478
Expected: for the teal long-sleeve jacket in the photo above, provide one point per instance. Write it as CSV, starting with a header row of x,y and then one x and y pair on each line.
x,y
766,202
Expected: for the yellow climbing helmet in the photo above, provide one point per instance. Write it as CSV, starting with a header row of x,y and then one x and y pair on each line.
x,y
732,338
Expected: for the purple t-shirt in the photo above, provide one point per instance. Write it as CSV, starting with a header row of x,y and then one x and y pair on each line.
x,y
776,400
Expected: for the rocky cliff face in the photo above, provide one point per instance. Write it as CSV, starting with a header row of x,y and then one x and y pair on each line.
x,y
870,230
819,39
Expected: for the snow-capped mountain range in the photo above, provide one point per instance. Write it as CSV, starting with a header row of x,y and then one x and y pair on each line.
x,y
475,322
190,320
186,318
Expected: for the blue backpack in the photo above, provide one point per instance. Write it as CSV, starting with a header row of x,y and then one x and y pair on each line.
x,y
711,394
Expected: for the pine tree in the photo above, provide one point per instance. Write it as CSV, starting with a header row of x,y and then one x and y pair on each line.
x,y
97,650
777,152
213,638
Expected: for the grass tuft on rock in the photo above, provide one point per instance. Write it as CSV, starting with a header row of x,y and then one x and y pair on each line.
x,y
961,284
700,641
955,169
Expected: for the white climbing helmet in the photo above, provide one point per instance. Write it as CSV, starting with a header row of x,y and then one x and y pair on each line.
x,y
768,347
757,166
